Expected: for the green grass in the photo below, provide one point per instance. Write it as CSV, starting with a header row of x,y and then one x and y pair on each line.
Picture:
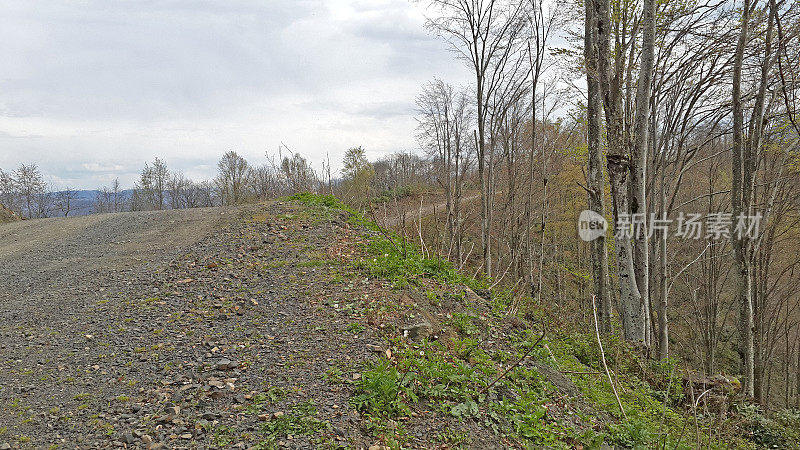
x,y
452,379
355,328
388,255
261,400
300,421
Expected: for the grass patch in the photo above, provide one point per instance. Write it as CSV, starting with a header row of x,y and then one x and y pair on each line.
x,y
300,421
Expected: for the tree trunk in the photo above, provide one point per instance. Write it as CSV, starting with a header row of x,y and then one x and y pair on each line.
x,y
739,206
641,252
634,315
663,321
599,253
632,308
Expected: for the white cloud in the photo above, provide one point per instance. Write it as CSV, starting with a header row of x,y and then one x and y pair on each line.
x,y
104,83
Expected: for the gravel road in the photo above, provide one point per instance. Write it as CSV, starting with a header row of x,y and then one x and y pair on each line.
x,y
46,259
207,328
178,329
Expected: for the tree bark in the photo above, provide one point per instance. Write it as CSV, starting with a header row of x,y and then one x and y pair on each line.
x,y
641,252
632,309
599,253
739,205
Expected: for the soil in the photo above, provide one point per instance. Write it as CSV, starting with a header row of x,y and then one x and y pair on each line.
x,y
186,329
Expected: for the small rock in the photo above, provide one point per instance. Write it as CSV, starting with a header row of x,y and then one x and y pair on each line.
x,y
147,439
224,364
5,446
128,438
277,415
374,348
418,332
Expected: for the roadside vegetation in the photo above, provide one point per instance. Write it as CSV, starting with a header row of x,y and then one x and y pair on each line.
x,y
530,376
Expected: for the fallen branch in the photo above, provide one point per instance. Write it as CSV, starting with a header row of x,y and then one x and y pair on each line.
x,y
603,357
488,386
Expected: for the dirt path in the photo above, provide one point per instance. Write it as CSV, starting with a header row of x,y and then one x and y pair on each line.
x,y
394,218
40,259
178,329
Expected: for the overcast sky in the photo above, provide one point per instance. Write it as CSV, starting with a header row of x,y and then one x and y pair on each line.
x,y
92,89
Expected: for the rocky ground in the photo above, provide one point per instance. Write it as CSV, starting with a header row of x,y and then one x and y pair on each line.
x,y
207,328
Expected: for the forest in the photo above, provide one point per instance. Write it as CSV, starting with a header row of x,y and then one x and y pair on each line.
x,y
673,123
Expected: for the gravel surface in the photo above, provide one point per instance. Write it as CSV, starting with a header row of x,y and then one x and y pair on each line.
x,y
207,328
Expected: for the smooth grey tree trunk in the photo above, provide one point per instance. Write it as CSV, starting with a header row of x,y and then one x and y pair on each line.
x,y
599,253
641,251
632,308
739,205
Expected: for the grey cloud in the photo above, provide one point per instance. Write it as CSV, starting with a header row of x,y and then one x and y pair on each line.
x,y
115,82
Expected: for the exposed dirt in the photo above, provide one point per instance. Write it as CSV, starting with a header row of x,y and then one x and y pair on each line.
x,y
186,329
7,216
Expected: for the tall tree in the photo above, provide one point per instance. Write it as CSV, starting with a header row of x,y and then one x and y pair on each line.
x,y
31,187
596,181
746,146
633,304
488,35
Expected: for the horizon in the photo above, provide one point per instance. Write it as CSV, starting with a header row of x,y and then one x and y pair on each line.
x,y
93,92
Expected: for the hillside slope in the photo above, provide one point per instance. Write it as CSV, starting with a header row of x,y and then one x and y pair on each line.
x,y
294,325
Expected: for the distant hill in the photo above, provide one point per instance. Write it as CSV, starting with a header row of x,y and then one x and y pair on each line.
x,y
7,216
84,203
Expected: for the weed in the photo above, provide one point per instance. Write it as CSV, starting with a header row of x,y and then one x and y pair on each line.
x,y
300,421
380,390
465,324
272,395
355,328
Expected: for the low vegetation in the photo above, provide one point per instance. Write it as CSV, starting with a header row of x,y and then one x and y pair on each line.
x,y
530,377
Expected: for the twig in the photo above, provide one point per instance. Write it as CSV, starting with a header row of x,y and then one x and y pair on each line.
x,y
381,230
603,357
488,386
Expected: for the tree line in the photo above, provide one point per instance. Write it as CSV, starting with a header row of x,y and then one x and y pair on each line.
x,y
677,122
25,191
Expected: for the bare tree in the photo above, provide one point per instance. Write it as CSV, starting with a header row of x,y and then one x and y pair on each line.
x,y
9,192
150,191
743,169
64,200
32,188
297,174
596,181
231,181
489,36
623,162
